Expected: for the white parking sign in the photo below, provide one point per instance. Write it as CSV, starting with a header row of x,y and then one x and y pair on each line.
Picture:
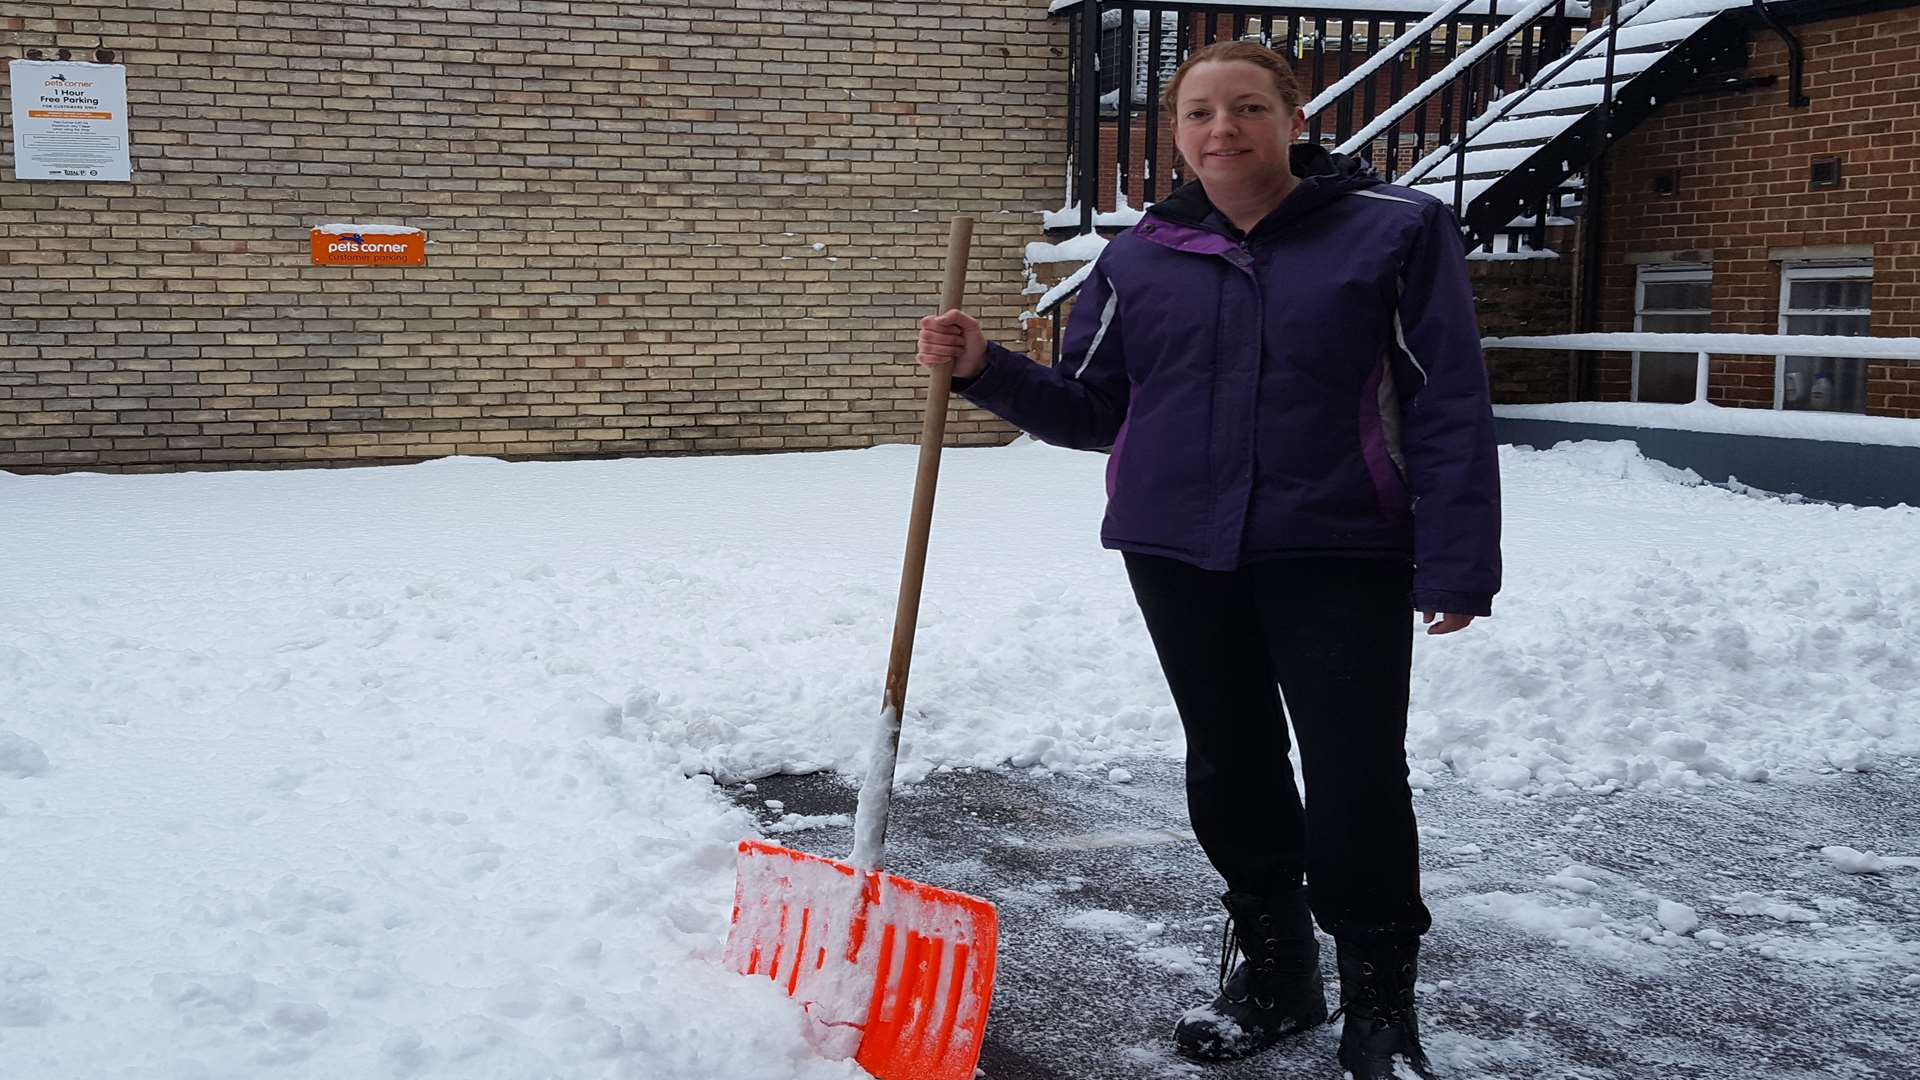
x,y
69,121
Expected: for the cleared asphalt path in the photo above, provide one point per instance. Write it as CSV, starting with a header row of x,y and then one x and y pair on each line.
x,y
1110,927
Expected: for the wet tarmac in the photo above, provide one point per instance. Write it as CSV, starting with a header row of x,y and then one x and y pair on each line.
x,y
1111,928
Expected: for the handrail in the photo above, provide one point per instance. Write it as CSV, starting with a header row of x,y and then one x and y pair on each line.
x,y
1540,81
1822,345
1419,95
1358,76
1704,346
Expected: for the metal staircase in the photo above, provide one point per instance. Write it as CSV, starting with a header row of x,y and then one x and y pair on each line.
x,y
1514,162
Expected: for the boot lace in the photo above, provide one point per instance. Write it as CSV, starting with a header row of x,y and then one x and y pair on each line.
x,y
1367,1001
1230,950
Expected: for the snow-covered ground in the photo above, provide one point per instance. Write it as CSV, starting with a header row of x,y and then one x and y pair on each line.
x,y
406,771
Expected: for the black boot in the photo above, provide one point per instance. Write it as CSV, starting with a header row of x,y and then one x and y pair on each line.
x,y
1275,992
1376,997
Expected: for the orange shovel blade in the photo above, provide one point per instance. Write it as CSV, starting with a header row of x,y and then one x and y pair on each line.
x,y
895,973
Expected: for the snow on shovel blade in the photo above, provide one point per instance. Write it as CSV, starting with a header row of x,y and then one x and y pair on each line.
x,y
895,973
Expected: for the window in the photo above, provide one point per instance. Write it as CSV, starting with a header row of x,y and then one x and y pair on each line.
x,y
1670,299
1824,298
1113,57
1113,54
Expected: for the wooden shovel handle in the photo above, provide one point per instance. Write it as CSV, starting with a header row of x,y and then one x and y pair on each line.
x,y
933,431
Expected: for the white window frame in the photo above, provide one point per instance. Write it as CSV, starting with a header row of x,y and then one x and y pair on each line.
x,y
1145,39
1817,271
1664,274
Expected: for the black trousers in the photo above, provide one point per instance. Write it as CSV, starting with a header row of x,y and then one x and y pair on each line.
x,y
1335,636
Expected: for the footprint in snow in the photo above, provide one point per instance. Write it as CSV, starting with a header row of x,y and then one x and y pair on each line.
x,y
24,1001
517,1000
21,757
287,778
207,999
299,1018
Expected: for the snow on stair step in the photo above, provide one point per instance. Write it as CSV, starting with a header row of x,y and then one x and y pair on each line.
x,y
1560,99
1443,189
1593,69
1527,130
1679,9
1484,162
1640,34
1529,222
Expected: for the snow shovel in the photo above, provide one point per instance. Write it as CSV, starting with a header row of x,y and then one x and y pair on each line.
x,y
893,972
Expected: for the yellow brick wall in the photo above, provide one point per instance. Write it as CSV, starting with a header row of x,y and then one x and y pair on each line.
x,y
624,202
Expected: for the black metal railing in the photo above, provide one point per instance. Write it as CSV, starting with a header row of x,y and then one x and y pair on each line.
x,y
1503,59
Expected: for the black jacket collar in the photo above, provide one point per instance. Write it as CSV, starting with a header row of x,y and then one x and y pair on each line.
x,y
1323,176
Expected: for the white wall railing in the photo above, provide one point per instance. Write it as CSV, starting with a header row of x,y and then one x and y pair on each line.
x,y
1706,345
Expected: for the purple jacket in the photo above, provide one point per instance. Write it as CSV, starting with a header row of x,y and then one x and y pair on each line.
x,y
1313,388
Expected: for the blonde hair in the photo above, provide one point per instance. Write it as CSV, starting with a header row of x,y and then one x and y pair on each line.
x,y
1227,52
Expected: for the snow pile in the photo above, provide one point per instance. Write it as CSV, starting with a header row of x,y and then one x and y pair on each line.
x,y
1068,217
1588,927
1698,636
1849,861
1678,917
401,771
1082,248
1581,880
1115,926
733,613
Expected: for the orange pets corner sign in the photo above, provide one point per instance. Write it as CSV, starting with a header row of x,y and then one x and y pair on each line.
x,y
369,245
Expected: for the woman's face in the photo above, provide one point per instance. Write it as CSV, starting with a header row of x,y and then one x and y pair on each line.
x,y
1233,129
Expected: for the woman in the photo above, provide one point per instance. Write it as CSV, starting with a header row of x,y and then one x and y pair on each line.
x,y
1283,359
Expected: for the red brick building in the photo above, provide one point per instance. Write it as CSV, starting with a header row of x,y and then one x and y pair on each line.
x,y
1740,210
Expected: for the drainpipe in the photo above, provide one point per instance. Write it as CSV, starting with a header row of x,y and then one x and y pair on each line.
x,y
1796,57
